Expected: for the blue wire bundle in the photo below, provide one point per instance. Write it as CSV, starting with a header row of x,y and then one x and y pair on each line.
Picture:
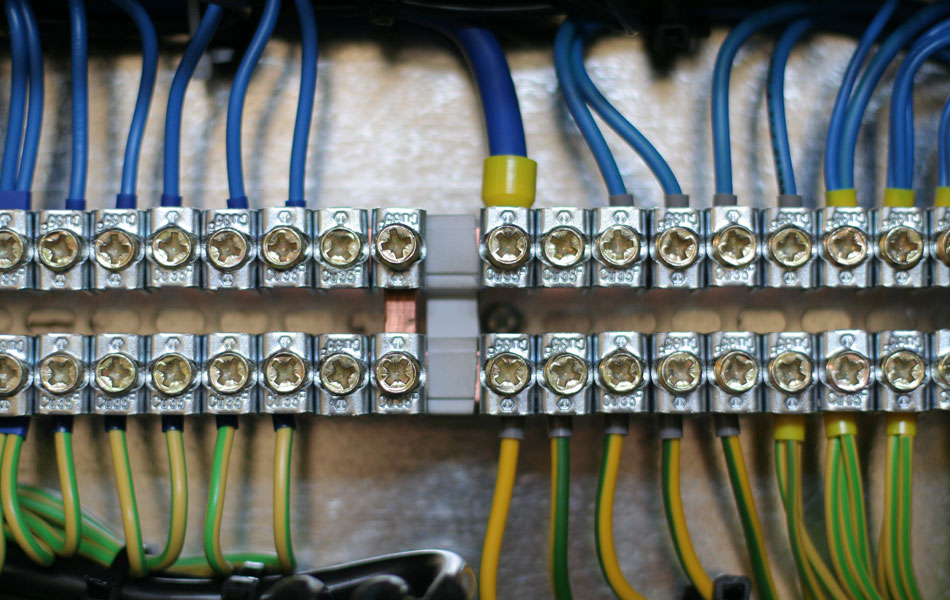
x,y
133,147
308,87
79,65
943,148
176,101
19,82
34,118
242,80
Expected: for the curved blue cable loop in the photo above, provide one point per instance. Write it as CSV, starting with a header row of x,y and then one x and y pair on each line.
x,y
133,147
242,79
34,119
943,148
176,101
722,153
308,88
593,96
901,171
775,93
79,67
901,36
17,111
581,114
836,123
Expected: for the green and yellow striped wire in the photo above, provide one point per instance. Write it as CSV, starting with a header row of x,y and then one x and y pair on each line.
x,y
560,515
217,487
282,538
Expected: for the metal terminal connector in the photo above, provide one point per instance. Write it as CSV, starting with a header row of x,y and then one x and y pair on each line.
x,y
399,248
903,370
790,247
118,374
61,253
846,370
61,374
678,372
845,247
343,374
16,250
733,245
285,247
172,377
286,377
506,374
16,375
901,246
791,372
565,374
620,246
229,249
118,249
733,365
229,373
940,370
399,373
171,248
678,249
506,247
939,236
622,374
563,247
341,248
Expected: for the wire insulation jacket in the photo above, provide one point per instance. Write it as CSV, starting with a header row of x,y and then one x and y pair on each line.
x,y
79,67
308,87
495,532
19,81
34,118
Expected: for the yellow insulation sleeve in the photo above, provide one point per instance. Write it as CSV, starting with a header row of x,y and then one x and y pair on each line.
x,y
509,180
942,196
838,424
789,427
495,532
841,198
898,197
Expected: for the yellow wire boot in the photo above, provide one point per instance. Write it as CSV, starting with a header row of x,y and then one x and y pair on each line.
x,y
509,180
898,198
511,434
942,196
789,427
841,198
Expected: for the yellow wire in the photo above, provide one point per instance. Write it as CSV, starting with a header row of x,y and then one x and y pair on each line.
x,y
553,496
3,538
72,520
495,532
281,526
694,570
886,579
178,476
228,433
7,483
126,502
832,527
605,523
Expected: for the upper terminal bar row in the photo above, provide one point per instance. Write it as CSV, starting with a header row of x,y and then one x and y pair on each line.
x,y
615,246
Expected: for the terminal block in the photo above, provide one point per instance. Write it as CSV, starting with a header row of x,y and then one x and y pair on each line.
x,y
172,247
16,375
791,372
940,369
62,249
846,371
229,249
173,377
16,250
229,374
939,236
564,374
845,247
399,248
620,246
789,250
506,374
902,370
286,373
399,374
678,372
118,374
118,249
286,241
342,374
621,372
900,247
677,248
563,248
341,248
732,365
62,374
507,247
732,244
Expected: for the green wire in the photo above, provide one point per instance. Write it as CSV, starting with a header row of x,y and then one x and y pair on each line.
x,y
608,441
757,552
137,531
838,545
45,555
56,502
562,584
57,540
906,449
286,507
851,534
215,493
155,561
71,474
894,517
786,490
51,515
853,471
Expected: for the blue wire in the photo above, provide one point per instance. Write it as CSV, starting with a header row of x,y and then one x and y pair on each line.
x,y
17,112
79,65
943,147
592,95
34,119
775,92
133,147
872,75
836,123
242,79
581,114
176,101
901,146
308,88
722,153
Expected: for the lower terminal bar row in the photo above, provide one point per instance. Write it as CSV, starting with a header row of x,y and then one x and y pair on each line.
x,y
505,374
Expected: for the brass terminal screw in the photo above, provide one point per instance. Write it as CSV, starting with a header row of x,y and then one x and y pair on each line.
x,y
619,246
846,246
904,371
621,372
680,372
227,249
114,249
285,372
228,373
341,374
283,248
115,373
736,372
848,371
943,247
677,247
171,247
734,246
791,372
172,374
507,246
12,250
563,247
59,250
12,375
340,247
902,247
942,372
566,374
790,247
398,246
397,373
60,373
507,374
